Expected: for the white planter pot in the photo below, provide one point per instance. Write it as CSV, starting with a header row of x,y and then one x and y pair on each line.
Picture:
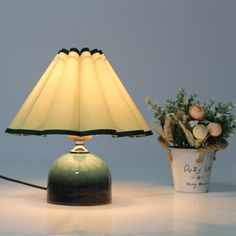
x,y
191,170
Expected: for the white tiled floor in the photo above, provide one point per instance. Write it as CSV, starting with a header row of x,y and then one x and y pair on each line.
x,y
138,209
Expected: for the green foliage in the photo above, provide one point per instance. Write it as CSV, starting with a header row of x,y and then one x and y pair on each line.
x,y
176,124
222,113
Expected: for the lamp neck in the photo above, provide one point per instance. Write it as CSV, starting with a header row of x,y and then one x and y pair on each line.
x,y
79,148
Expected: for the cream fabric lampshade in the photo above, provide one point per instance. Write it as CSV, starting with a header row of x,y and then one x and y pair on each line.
x,y
79,94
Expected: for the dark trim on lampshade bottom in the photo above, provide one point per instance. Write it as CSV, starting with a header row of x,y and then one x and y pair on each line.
x,y
133,133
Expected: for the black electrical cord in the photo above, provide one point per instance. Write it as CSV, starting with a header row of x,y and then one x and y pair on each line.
x,y
22,182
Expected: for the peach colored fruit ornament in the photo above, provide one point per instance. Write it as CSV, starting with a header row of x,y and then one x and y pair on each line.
x,y
196,112
215,129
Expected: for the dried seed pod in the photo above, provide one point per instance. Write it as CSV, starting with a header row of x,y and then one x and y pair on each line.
x,y
180,115
200,132
188,134
161,132
168,127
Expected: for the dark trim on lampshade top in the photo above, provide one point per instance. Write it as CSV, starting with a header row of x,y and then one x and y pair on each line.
x,y
84,50
133,133
93,51
64,51
75,50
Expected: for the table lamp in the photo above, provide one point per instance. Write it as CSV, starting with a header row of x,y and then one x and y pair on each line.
x,y
79,95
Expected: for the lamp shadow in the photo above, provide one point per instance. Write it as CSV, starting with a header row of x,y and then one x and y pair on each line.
x,y
222,187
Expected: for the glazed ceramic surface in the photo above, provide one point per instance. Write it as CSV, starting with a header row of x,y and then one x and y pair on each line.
x,y
79,179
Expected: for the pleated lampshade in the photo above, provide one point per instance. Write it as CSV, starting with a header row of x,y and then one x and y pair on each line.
x,y
79,94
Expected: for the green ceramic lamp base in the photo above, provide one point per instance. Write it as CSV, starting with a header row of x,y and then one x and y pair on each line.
x,y
79,179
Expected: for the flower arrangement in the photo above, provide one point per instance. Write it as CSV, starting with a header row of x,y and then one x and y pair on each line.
x,y
184,122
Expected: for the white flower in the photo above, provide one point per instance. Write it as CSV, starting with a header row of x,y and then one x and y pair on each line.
x,y
193,123
218,115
